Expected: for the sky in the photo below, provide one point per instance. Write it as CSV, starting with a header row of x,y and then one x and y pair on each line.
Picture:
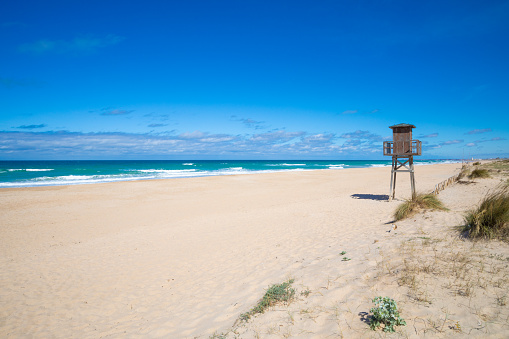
x,y
252,79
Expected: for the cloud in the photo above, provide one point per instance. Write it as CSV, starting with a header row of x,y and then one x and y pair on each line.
x,y
14,24
158,117
362,142
275,137
65,144
249,122
11,83
451,142
157,125
350,112
477,142
192,135
79,45
442,144
362,135
432,135
109,111
355,111
479,131
31,126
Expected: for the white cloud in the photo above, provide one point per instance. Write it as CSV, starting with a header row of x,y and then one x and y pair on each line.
x,y
12,83
350,111
63,144
78,44
248,122
479,131
432,135
116,112
451,142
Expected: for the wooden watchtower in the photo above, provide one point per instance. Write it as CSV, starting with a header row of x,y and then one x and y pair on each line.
x,y
402,149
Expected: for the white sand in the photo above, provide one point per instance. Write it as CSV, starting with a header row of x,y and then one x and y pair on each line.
x,y
183,258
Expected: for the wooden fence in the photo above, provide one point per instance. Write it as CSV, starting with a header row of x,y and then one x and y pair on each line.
x,y
447,182
442,185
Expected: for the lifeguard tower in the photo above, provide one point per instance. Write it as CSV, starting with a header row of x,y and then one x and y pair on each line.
x,y
402,149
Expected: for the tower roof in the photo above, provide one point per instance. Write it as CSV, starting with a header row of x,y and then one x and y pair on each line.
x,y
402,125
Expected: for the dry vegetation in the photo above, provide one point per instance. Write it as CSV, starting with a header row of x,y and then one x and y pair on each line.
x,y
418,203
466,275
479,173
491,218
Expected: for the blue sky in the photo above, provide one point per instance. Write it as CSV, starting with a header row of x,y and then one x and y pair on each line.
x,y
251,79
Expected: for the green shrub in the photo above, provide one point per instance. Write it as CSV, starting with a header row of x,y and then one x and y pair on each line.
x,y
477,163
491,218
419,202
385,313
479,173
275,294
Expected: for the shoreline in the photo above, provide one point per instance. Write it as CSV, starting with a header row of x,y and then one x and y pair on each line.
x,y
184,258
162,180
149,170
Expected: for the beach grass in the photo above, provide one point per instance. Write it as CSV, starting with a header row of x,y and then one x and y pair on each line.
x,y
479,173
499,165
463,173
491,218
276,294
420,202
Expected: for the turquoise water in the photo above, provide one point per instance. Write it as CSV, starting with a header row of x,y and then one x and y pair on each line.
x,y
46,173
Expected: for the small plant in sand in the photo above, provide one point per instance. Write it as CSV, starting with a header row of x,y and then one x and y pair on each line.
x,y
306,292
479,173
477,163
419,202
463,173
385,313
275,294
491,218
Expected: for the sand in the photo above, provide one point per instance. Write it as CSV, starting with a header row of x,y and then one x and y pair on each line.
x,y
183,258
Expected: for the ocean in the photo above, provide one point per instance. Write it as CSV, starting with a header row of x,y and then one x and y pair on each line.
x,y
50,173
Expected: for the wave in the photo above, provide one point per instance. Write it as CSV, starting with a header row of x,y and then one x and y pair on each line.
x,y
75,176
285,164
30,169
165,171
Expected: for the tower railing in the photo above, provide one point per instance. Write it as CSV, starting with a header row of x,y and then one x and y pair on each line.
x,y
403,148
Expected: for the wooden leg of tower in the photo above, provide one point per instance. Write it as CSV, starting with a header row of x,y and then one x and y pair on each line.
x,y
394,185
392,179
412,177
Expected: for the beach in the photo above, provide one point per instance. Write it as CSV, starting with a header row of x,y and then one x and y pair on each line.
x,y
183,258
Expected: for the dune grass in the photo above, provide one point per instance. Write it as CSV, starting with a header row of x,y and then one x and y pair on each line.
x,y
275,294
417,203
491,219
479,173
463,173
